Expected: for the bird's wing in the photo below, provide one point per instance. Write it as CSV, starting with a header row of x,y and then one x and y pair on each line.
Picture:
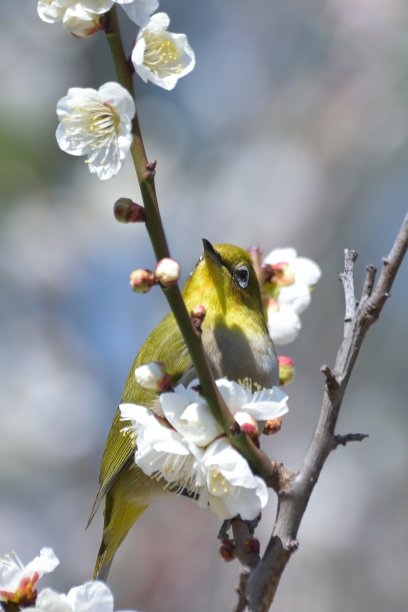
x,y
165,344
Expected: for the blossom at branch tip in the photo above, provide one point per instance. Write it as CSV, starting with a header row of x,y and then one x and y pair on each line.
x,y
188,450
93,596
80,17
18,582
97,123
287,292
159,56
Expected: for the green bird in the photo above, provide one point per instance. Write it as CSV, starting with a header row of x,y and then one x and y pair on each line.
x,y
237,345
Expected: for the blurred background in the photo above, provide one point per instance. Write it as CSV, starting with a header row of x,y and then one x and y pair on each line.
x,y
291,131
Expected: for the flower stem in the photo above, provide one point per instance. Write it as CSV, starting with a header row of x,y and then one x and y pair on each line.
x,y
145,174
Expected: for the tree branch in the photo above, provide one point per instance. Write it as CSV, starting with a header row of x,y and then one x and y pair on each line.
x,y
145,171
263,580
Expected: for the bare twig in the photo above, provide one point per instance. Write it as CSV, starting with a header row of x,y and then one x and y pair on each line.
x,y
340,440
293,497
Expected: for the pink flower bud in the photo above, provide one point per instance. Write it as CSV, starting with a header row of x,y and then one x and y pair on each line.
x,y
247,423
153,377
286,370
141,280
127,211
167,272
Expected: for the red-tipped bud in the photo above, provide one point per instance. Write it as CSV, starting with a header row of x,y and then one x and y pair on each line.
x,y
227,550
247,424
286,370
141,280
272,426
197,317
167,272
127,211
153,377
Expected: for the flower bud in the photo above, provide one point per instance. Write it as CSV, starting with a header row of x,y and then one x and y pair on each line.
x,y
286,370
141,280
127,211
247,423
272,426
253,545
153,377
197,317
167,272
227,550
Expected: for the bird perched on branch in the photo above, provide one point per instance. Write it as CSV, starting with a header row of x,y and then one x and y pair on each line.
x,y
237,345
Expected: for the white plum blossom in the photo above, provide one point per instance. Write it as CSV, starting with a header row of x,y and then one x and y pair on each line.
x,y
97,123
159,56
189,451
81,18
288,293
18,582
93,596
231,487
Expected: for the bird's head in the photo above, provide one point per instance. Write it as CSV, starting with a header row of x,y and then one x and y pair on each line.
x,y
225,282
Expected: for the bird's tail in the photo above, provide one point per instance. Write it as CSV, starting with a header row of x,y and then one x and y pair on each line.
x,y
120,515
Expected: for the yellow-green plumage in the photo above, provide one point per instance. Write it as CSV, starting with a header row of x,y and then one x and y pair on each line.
x,y
237,345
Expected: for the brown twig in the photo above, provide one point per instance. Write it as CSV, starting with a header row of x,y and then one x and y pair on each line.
x,y
293,497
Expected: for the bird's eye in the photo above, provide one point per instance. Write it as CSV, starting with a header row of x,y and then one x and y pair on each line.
x,y
241,275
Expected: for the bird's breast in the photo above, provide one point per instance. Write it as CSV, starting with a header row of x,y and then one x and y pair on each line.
x,y
238,355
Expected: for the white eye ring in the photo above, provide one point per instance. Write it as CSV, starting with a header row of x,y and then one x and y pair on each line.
x,y
241,275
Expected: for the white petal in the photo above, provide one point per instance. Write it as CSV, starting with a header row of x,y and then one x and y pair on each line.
x,y
233,394
307,270
280,255
193,420
97,6
283,325
50,601
272,403
80,22
158,23
118,97
140,10
296,297
92,596
139,415
45,563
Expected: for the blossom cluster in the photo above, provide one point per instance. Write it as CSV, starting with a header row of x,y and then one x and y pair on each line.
x,y
286,291
98,123
189,452
18,587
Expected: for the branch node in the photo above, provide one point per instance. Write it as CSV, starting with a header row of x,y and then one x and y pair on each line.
x,y
345,439
292,544
332,383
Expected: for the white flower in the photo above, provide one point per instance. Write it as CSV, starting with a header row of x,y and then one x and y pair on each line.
x,y
81,18
139,11
18,582
289,291
89,597
97,124
232,489
194,455
160,56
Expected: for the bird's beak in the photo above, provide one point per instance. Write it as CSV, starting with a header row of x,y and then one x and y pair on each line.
x,y
210,252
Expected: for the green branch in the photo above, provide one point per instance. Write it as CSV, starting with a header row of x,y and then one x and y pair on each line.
x,y
145,174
